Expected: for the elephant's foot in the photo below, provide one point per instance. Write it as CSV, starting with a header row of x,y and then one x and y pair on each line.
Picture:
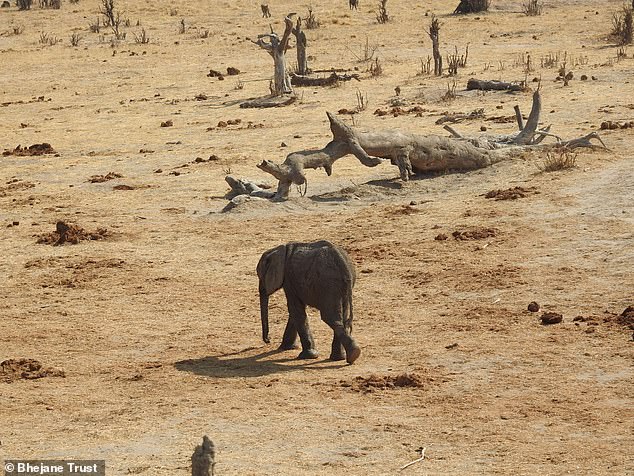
x,y
336,356
308,354
284,346
353,354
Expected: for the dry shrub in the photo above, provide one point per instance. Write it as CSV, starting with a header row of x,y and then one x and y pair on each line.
x,y
24,4
375,68
622,26
559,161
533,8
472,6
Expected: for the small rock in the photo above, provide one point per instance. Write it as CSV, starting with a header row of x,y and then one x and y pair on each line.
x,y
167,123
283,144
441,237
483,128
584,77
551,318
533,307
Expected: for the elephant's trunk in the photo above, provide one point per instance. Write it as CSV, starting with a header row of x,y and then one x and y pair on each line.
x,y
264,314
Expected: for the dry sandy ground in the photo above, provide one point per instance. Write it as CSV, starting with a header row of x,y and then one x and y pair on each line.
x,y
157,326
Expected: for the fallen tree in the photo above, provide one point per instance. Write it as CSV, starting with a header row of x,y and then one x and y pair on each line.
x,y
414,153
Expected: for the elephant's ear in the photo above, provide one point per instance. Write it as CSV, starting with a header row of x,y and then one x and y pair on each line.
x,y
271,269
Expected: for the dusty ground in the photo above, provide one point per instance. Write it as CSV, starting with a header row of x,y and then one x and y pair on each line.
x,y
156,326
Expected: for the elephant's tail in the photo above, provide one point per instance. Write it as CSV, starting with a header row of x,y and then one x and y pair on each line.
x,y
348,313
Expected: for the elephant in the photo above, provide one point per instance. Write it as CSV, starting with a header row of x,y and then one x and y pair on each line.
x,y
319,275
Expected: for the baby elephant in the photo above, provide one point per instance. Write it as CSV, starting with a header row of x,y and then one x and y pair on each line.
x,y
319,275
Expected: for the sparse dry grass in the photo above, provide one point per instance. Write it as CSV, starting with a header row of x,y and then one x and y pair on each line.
x,y
558,160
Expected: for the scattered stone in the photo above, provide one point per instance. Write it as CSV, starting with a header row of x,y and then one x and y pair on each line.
x,y
584,77
451,346
158,171
71,234
146,151
533,307
123,187
441,237
627,317
231,71
611,125
510,193
475,234
104,178
215,74
169,123
33,150
551,318
26,369
201,97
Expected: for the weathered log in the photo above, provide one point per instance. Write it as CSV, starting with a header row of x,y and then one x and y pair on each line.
x,y
246,187
203,459
473,83
334,78
453,118
410,152
269,101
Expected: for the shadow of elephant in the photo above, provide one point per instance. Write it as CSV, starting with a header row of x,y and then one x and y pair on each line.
x,y
237,364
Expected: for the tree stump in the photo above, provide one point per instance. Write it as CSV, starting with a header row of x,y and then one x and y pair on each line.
x,y
203,459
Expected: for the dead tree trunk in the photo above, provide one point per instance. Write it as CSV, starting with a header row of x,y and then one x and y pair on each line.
x,y
483,85
203,459
434,32
300,38
413,152
277,47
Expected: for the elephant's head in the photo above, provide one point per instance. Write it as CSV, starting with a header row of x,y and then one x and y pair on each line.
x,y
270,271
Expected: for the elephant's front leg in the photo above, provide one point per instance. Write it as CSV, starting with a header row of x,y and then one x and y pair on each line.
x,y
297,313
289,341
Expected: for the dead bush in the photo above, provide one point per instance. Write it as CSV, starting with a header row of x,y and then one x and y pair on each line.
x,y
558,161
622,26
75,38
533,8
311,22
142,38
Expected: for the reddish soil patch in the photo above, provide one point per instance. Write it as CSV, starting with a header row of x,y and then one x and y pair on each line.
x,y
72,234
475,234
385,382
34,150
26,369
104,178
510,193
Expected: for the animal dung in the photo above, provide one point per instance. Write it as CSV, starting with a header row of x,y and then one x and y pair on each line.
x,y
549,318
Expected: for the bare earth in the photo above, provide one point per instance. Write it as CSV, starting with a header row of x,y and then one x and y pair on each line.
x,y
156,326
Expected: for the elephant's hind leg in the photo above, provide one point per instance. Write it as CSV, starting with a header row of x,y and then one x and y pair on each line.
x,y
341,338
